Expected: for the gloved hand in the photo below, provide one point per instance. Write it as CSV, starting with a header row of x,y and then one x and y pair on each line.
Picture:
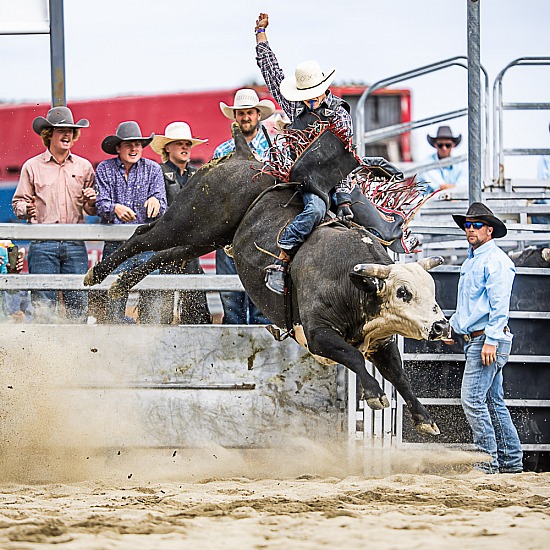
x,y
343,202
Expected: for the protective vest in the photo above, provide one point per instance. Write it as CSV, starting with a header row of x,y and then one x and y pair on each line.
x,y
173,186
326,161
304,116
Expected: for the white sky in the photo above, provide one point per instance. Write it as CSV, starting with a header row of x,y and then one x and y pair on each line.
x,y
120,47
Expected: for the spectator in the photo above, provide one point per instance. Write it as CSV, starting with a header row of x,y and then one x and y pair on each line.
x,y
248,112
174,147
130,190
15,305
481,315
57,186
306,99
454,176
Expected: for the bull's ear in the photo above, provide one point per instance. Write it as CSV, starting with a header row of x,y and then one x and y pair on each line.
x,y
431,262
365,283
546,254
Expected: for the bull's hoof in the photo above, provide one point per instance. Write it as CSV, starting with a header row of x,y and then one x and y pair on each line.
x,y
377,403
427,429
116,291
89,277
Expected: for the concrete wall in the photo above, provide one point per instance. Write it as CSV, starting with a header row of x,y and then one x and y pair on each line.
x,y
181,386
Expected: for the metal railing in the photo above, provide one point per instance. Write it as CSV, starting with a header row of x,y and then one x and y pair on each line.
x,y
98,232
362,138
499,152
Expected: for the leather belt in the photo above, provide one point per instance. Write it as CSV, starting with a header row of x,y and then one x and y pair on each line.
x,y
474,334
477,333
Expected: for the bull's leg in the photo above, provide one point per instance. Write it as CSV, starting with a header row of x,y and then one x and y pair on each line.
x,y
129,279
137,243
328,343
387,360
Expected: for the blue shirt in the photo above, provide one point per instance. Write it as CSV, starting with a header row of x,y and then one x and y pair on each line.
x,y
543,168
145,180
258,144
484,291
456,174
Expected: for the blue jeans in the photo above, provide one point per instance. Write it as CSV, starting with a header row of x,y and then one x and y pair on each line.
x,y
59,257
150,301
303,224
238,308
483,402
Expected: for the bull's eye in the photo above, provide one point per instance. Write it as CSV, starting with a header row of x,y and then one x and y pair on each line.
x,y
404,294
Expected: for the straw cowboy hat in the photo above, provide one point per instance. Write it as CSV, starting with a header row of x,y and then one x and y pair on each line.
x,y
126,131
444,132
308,81
248,99
58,117
478,211
175,131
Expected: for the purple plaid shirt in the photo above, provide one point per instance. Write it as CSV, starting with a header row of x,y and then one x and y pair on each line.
x,y
273,76
145,180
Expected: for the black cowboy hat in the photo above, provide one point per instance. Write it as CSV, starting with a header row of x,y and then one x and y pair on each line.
x,y
444,132
479,211
126,131
58,117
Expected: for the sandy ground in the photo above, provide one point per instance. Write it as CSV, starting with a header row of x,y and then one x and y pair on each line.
x,y
304,496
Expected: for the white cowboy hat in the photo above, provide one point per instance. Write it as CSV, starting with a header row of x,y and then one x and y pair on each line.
x,y
175,131
248,99
308,81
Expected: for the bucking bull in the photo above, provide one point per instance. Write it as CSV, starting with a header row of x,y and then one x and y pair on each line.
x,y
348,299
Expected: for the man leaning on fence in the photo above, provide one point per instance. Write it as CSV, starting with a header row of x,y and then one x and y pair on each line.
x,y
130,191
57,187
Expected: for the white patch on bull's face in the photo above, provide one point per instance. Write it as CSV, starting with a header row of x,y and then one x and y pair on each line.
x,y
408,305
366,240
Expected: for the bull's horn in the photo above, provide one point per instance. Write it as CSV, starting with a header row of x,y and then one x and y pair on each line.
x,y
373,270
431,262
546,254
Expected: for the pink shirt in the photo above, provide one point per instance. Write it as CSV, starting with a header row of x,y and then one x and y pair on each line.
x,y
57,188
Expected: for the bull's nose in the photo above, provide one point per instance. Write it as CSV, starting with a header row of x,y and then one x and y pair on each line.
x,y
439,329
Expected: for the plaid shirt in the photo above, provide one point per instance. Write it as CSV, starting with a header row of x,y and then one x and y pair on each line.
x,y
273,76
259,145
145,180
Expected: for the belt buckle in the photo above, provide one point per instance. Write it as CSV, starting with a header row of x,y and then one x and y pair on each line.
x,y
466,337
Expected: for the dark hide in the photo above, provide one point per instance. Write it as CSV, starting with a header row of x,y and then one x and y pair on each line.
x,y
330,307
200,220
532,257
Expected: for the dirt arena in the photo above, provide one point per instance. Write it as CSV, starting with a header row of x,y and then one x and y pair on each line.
x,y
304,496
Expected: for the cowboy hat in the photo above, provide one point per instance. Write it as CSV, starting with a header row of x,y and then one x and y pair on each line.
x,y
175,131
478,211
248,99
308,81
126,131
444,132
58,117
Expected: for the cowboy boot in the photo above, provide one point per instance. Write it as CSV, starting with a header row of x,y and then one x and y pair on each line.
x,y
276,272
